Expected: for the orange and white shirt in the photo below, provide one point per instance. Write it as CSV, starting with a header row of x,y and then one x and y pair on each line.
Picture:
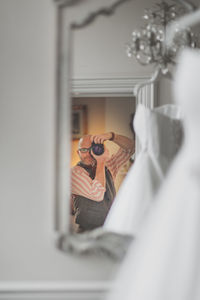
x,y
83,185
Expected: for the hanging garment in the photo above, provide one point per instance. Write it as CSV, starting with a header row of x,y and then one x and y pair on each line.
x,y
159,132
163,263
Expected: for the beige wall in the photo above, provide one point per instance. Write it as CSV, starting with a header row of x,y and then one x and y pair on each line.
x,y
95,120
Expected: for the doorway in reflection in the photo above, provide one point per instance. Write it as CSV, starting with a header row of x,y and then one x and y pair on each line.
x,y
96,116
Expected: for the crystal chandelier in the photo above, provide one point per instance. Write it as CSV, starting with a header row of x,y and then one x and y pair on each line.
x,y
148,44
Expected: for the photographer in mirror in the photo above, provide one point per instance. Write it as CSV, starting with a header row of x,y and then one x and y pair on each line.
x,y
93,188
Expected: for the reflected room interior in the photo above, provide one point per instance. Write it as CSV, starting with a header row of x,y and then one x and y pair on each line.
x,y
94,116
100,106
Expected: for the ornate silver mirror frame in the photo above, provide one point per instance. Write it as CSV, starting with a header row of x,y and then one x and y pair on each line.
x,y
90,9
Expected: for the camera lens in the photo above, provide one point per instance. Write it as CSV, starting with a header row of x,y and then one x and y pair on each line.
x,y
97,149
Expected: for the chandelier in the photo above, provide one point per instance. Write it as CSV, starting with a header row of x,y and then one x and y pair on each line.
x,y
148,44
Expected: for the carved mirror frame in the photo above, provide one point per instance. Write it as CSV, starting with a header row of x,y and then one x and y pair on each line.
x,y
90,10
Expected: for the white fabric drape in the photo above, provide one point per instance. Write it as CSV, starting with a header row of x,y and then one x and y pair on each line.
x,y
160,135
163,263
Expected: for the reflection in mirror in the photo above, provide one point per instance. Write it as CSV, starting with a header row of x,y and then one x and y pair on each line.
x,y
96,80
99,68
102,153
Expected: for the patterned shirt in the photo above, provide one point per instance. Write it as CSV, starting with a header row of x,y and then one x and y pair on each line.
x,y
83,185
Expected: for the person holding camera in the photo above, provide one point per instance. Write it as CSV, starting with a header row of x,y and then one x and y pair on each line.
x,y
92,179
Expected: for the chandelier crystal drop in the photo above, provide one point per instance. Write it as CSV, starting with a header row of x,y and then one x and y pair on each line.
x,y
148,43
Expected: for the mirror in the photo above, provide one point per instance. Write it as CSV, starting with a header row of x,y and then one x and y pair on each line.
x,y
94,74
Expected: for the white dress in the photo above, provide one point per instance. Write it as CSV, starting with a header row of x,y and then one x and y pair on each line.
x,y
163,263
159,132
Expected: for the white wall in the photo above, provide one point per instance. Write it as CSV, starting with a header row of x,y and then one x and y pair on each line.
x,y
27,138
27,131
99,49
165,92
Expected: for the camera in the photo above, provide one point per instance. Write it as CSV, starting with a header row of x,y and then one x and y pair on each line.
x,y
97,149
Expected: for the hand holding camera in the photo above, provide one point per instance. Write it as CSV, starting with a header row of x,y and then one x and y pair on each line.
x,y
98,149
99,152
101,138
